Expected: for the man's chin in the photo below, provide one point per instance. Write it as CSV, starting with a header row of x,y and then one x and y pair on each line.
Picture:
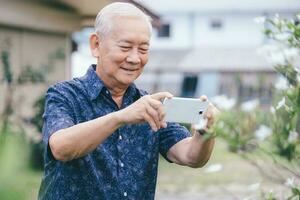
x,y
128,81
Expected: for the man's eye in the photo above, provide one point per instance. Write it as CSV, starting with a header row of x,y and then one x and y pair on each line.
x,y
125,48
143,50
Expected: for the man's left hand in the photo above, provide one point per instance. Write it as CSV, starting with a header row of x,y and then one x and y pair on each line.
x,y
210,113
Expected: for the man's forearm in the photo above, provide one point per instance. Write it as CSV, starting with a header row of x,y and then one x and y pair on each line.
x,y
192,151
80,139
200,150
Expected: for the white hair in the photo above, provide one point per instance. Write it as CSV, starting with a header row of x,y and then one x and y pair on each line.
x,y
103,22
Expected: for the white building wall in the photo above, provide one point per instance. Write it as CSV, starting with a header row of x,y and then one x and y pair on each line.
x,y
237,30
191,30
180,32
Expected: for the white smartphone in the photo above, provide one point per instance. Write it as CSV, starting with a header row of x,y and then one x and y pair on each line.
x,y
184,110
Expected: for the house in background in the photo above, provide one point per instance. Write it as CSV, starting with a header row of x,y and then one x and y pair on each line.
x,y
35,35
210,47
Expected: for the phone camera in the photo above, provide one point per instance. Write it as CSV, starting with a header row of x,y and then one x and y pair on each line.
x,y
200,112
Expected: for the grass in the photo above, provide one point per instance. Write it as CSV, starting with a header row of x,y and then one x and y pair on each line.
x,y
19,182
232,182
233,170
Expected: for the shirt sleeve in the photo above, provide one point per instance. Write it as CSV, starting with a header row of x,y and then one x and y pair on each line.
x,y
170,136
57,115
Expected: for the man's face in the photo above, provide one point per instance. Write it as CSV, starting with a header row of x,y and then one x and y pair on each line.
x,y
123,52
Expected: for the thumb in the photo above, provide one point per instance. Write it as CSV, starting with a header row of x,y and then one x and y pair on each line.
x,y
203,98
161,95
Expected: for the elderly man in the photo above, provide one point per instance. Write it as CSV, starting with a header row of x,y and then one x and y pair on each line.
x,y
102,134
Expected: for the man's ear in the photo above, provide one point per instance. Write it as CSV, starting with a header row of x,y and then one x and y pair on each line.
x,y
95,44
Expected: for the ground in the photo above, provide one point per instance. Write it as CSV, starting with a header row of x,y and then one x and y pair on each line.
x,y
236,180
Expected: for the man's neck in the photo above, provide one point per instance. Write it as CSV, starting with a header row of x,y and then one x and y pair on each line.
x,y
117,91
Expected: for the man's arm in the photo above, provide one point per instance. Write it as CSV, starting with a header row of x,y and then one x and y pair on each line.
x,y
80,139
195,151
76,141
192,151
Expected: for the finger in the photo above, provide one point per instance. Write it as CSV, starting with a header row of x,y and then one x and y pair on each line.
x,y
164,124
154,115
150,122
154,103
162,114
209,112
211,115
203,98
161,95
157,112
158,106
210,122
212,110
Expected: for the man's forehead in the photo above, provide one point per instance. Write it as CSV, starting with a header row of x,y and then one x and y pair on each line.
x,y
130,30
122,22
123,18
146,42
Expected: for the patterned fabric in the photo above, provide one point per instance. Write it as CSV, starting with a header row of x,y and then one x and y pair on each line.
x,y
124,166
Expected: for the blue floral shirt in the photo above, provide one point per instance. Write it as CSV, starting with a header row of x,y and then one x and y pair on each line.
x,y
124,166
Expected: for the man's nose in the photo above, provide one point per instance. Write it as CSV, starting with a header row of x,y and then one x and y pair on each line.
x,y
133,57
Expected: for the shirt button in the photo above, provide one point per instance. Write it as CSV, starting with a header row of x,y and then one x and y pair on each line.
x,y
120,137
125,194
121,164
106,91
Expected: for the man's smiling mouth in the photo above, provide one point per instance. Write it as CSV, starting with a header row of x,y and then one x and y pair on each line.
x,y
129,70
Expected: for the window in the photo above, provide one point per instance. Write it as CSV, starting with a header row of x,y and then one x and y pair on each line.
x,y
189,86
164,31
216,24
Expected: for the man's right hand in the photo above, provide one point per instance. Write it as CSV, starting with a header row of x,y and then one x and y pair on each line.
x,y
148,108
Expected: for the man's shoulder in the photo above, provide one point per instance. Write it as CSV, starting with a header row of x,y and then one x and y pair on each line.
x,y
66,87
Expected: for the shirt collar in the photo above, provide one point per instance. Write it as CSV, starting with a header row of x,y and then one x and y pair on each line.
x,y
94,84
